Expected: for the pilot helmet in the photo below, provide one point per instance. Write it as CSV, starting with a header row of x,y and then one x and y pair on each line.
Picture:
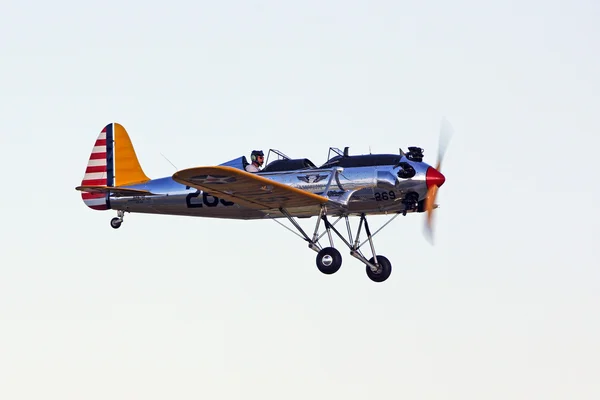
x,y
255,153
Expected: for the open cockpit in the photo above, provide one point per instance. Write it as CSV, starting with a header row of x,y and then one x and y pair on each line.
x,y
277,161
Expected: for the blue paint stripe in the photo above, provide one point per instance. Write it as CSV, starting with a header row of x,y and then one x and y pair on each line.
x,y
109,156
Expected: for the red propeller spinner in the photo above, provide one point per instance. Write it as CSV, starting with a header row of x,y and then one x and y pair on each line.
x,y
434,177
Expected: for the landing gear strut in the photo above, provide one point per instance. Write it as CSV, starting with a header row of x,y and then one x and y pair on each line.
x,y
118,220
329,259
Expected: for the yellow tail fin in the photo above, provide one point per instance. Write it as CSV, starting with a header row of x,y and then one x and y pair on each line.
x,y
128,170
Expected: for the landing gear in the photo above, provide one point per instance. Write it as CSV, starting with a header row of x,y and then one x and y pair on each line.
x,y
383,272
329,259
118,220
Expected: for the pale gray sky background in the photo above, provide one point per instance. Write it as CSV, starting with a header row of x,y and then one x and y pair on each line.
x,y
504,306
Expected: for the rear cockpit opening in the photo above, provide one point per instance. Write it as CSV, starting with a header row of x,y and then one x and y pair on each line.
x,y
282,163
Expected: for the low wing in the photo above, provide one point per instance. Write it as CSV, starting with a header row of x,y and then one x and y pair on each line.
x,y
117,191
247,189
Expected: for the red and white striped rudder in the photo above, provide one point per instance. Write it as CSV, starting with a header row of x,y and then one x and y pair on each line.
x,y
99,171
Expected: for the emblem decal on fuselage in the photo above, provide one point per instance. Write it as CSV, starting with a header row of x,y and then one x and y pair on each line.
x,y
311,178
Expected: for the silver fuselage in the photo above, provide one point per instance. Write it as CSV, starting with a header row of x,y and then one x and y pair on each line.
x,y
371,190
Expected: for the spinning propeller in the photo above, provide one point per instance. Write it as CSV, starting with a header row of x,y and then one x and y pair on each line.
x,y
435,179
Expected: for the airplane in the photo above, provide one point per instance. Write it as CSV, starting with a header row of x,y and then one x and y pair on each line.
x,y
286,188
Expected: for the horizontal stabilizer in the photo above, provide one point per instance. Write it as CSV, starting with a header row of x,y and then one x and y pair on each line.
x,y
116,191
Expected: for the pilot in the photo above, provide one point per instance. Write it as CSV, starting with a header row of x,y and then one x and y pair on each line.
x,y
258,158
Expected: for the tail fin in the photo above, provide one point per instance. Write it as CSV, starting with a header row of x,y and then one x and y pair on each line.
x,y
113,163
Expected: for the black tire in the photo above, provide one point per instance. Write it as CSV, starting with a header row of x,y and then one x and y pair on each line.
x,y
329,260
385,269
116,223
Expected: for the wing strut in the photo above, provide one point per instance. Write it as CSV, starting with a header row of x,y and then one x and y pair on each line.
x,y
383,226
297,225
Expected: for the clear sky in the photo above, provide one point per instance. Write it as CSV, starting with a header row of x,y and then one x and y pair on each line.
x,y
504,306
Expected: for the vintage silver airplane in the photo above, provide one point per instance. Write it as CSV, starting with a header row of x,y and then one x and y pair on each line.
x,y
344,186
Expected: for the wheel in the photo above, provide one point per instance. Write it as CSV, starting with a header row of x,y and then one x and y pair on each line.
x,y
329,260
116,222
384,271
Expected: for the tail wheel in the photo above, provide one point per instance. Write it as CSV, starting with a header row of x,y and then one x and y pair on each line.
x,y
384,271
116,222
329,260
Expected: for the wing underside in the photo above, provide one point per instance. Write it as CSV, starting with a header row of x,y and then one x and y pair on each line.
x,y
247,189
